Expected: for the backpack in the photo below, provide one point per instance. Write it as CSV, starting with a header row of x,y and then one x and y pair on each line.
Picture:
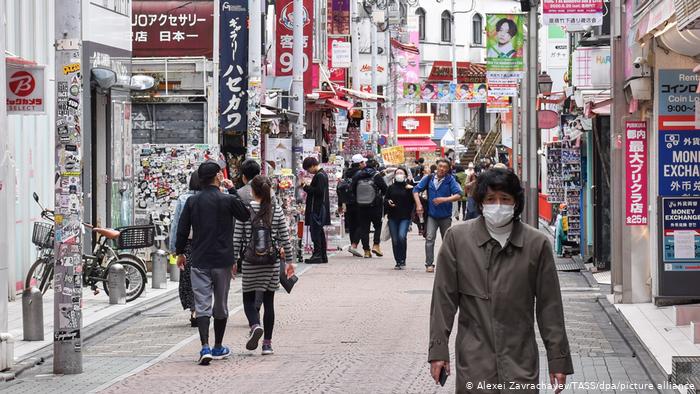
x,y
366,192
261,249
344,190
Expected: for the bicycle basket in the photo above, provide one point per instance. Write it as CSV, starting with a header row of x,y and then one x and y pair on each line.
x,y
43,235
136,237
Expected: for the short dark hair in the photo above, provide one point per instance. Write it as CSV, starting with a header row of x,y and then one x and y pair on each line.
x,y
441,160
512,27
433,168
421,160
309,162
499,180
459,168
194,182
250,169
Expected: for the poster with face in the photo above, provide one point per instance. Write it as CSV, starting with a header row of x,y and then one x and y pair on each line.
x,y
446,92
411,91
429,92
504,44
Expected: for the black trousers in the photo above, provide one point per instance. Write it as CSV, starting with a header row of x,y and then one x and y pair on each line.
x,y
251,307
318,237
365,217
351,224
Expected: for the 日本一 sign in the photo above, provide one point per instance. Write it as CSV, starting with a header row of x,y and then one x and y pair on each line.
x,y
25,89
172,28
572,12
285,40
636,174
233,66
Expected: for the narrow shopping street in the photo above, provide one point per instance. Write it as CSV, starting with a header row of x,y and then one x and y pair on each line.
x,y
352,326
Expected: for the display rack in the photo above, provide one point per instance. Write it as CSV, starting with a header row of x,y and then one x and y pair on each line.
x,y
564,183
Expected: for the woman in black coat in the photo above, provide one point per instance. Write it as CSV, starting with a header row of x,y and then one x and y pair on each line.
x,y
399,206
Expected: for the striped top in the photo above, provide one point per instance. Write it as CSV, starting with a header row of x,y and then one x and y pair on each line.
x,y
262,277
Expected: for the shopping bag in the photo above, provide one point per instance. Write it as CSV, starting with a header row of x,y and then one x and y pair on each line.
x,y
386,234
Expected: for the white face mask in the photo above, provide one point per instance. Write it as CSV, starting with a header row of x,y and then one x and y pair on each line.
x,y
498,215
400,178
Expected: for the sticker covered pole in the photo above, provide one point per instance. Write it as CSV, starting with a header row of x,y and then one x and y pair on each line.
x,y
299,66
254,79
67,349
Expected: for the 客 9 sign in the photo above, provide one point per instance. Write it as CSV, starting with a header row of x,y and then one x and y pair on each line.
x,y
287,62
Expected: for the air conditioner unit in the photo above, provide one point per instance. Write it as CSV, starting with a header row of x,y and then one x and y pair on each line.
x,y
687,14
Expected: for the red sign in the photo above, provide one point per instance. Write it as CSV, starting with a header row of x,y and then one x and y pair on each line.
x,y
636,150
573,12
414,125
172,28
25,88
337,74
466,72
285,40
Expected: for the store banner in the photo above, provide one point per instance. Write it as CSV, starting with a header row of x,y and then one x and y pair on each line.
x,y
681,234
636,155
394,156
504,45
285,40
25,89
411,73
502,87
591,68
572,12
414,125
341,53
677,100
498,105
428,92
173,28
233,67
338,17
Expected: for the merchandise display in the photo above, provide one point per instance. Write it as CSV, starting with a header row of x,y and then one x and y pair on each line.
x,y
564,183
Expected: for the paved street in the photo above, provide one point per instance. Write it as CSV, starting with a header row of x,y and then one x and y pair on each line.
x,y
352,326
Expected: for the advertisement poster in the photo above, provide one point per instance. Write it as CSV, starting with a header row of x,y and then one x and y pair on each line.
x,y
414,125
681,234
504,45
677,99
285,40
572,12
338,59
394,155
679,162
443,92
636,199
502,87
591,67
173,28
233,66
25,89
338,17
498,105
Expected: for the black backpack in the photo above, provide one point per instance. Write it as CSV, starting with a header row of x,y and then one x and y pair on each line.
x,y
344,190
261,249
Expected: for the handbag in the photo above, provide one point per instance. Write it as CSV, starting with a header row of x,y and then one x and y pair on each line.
x,y
287,283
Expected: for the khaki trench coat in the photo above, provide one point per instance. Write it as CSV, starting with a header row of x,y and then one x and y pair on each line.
x,y
498,292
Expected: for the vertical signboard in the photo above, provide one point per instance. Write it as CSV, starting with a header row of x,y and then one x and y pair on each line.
x,y
285,40
233,66
636,170
505,38
679,247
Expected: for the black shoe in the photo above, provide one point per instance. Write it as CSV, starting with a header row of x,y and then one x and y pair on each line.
x,y
397,266
315,260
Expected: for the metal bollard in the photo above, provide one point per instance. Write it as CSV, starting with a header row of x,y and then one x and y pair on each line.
x,y
32,314
116,283
160,269
174,270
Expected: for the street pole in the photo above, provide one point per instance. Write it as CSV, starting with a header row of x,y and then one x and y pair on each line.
x,y
254,151
532,196
355,45
516,132
299,64
453,114
375,105
68,286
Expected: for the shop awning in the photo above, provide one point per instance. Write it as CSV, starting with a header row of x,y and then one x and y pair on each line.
x,y
598,107
338,103
467,72
364,96
418,144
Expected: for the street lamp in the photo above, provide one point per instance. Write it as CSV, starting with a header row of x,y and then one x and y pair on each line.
x,y
544,83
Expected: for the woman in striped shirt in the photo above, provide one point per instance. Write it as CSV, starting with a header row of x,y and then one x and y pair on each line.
x,y
261,281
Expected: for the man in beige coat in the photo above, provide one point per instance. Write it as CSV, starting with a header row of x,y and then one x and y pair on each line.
x,y
497,271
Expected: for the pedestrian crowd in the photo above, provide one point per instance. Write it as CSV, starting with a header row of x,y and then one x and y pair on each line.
x,y
495,271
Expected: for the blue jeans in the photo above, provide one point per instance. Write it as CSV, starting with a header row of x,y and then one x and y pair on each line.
x,y
399,234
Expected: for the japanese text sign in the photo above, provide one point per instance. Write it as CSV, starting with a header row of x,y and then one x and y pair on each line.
x,y
337,61
394,156
572,12
677,99
25,89
636,198
285,40
233,63
679,162
504,45
414,125
172,28
681,233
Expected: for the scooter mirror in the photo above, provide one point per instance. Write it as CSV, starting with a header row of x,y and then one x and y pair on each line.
x,y
36,197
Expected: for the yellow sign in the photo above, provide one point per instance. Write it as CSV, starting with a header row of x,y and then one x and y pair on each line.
x,y
394,155
71,68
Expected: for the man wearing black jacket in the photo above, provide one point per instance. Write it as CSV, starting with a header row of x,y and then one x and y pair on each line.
x,y
366,215
210,214
318,209
351,214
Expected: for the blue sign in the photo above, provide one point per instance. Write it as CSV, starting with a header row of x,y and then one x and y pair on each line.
x,y
233,66
680,214
677,92
679,163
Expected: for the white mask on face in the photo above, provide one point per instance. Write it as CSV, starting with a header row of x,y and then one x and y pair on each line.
x,y
498,215
400,178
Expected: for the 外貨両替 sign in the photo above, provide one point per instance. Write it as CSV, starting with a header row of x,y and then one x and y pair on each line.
x,y
681,233
233,66
572,12
25,89
636,199
679,162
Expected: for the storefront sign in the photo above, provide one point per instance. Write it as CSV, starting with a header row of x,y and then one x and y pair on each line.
x,y
173,28
504,45
636,198
572,12
285,40
502,87
341,54
679,162
497,105
591,68
366,70
677,99
25,89
681,234
233,66
414,125
394,155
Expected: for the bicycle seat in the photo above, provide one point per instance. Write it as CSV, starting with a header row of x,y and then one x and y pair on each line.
x,y
107,232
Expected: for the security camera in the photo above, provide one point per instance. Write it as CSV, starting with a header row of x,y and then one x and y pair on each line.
x,y
639,62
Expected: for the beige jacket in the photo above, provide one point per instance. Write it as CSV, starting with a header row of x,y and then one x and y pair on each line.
x,y
498,293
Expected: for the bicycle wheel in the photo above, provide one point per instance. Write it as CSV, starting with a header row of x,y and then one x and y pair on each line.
x,y
41,272
134,258
135,279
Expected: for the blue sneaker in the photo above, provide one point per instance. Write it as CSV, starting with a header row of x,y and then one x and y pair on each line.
x,y
205,356
220,353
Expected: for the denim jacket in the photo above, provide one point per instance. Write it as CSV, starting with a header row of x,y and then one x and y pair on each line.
x,y
447,188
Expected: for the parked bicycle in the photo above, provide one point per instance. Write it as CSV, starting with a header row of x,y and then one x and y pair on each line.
x,y
95,266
